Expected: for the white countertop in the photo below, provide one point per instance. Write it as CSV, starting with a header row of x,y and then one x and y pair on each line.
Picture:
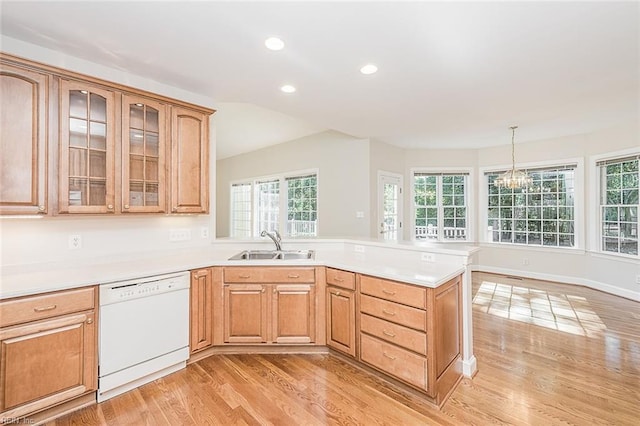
x,y
22,280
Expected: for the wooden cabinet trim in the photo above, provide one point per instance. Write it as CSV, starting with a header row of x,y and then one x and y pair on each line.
x,y
61,72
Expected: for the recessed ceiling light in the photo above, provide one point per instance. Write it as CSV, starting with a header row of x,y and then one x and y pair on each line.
x,y
368,69
274,43
287,88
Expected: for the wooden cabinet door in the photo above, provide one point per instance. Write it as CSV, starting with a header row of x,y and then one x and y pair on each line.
x,y
189,161
144,130
23,140
341,320
245,313
201,310
447,324
86,182
293,313
47,362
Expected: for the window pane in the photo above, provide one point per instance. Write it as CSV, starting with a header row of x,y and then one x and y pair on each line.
x,y
428,224
619,207
533,212
302,206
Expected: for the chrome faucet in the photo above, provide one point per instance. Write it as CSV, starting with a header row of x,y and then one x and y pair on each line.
x,y
275,236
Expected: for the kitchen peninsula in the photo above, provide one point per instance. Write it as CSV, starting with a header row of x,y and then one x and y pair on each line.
x,y
402,281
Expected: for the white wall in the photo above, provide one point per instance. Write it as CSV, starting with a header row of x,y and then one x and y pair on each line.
x,y
342,162
46,239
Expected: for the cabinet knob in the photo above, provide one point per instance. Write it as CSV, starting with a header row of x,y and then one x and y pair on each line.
x,y
41,208
126,206
337,293
110,206
175,209
90,321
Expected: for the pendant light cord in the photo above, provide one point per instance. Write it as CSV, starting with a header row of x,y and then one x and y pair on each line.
x,y
513,149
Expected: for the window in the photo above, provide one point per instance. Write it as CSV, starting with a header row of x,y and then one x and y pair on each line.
x,y
540,215
440,206
619,205
241,208
257,206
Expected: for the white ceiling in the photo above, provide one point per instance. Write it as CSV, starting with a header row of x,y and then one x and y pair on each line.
x,y
451,74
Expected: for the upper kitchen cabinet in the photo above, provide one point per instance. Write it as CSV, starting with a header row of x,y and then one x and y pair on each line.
x,y
144,130
189,161
23,140
86,149
106,148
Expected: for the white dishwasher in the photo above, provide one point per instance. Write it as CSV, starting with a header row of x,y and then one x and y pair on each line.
x,y
144,331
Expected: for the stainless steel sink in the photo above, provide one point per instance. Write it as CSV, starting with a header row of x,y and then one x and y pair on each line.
x,y
274,255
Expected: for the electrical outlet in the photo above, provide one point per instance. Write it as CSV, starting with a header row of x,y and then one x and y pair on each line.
x,y
75,242
179,235
428,257
359,215
638,279
204,232
525,261
358,249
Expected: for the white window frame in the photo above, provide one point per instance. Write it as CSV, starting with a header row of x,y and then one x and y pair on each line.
x,y
595,218
231,205
469,194
579,223
283,189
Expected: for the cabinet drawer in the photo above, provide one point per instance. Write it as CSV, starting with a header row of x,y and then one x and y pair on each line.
x,y
32,308
413,340
400,363
394,312
339,278
395,292
252,274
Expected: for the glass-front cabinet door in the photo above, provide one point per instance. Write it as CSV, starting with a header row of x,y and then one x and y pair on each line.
x,y
143,155
87,142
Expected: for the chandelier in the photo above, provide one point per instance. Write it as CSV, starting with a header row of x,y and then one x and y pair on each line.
x,y
513,179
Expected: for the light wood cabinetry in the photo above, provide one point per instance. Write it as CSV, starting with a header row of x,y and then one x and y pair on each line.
x,y
24,131
412,333
87,149
201,320
144,155
269,305
189,161
341,311
114,149
48,347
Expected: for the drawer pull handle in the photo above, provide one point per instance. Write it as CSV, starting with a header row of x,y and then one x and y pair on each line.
x,y
388,356
387,333
391,293
340,280
46,308
244,276
293,276
384,311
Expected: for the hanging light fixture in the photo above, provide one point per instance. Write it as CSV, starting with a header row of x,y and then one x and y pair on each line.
x,y
513,178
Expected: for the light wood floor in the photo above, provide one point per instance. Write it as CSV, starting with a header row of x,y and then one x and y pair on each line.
x,y
547,353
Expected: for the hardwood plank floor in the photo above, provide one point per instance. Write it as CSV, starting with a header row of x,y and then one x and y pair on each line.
x,y
548,354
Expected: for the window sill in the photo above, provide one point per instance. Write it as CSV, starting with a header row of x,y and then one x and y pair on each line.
x,y
615,257
545,249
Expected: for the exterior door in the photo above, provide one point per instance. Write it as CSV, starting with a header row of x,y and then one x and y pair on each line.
x,y
389,206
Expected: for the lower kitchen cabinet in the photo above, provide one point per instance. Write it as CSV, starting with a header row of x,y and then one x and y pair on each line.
x,y
48,347
269,305
412,333
201,321
245,313
341,311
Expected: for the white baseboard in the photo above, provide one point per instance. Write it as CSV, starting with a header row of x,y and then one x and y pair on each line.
x,y
596,285
469,366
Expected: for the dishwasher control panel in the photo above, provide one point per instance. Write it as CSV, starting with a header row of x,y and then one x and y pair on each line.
x,y
142,287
